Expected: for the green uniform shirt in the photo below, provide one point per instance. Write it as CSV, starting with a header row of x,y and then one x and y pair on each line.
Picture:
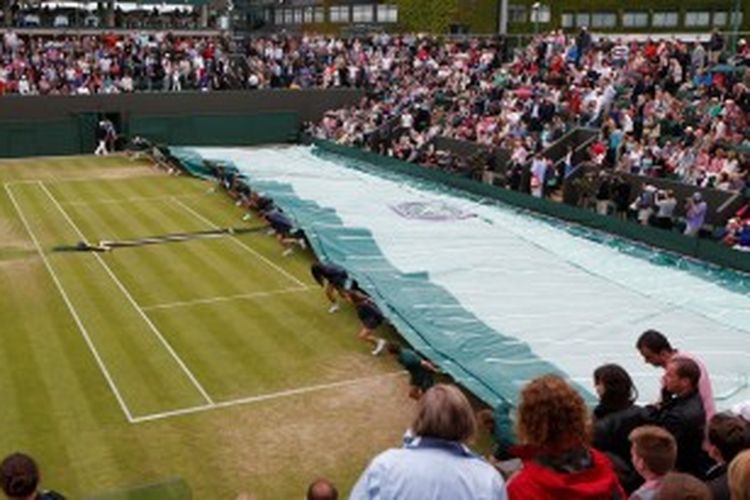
x,y
420,376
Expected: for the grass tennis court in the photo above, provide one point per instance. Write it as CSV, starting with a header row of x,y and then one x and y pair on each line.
x,y
213,360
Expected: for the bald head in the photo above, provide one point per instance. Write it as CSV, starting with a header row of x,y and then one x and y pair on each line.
x,y
322,489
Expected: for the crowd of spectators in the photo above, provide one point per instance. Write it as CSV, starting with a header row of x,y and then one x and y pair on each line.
x,y
663,109
678,448
110,64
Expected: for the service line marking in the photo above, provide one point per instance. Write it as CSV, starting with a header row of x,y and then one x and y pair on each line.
x,y
262,397
132,301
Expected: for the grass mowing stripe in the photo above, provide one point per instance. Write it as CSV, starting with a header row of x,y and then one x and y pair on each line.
x,y
199,269
33,394
130,299
220,453
142,269
229,298
267,397
71,309
148,379
131,199
222,343
242,244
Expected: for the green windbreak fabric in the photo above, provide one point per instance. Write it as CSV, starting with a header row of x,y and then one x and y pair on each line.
x,y
491,366
705,250
495,294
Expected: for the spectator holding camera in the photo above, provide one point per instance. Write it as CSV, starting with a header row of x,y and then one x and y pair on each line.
x,y
695,214
665,203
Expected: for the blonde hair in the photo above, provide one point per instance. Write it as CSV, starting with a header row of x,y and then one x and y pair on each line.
x,y
445,413
552,415
739,476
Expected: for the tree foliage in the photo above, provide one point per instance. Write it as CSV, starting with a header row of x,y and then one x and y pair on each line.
x,y
433,16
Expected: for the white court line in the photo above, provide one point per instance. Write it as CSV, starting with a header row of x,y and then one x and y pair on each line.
x,y
132,199
227,298
242,244
132,301
262,397
72,310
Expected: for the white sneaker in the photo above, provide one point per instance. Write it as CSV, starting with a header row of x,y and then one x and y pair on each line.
x,y
302,244
333,308
379,348
247,216
287,252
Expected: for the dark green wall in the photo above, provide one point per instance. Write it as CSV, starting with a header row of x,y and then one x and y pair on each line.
x,y
62,136
217,130
66,125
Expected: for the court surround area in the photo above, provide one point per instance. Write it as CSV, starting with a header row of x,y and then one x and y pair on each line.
x,y
214,360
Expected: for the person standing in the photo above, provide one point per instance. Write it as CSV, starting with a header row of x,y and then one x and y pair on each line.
x,y
657,351
615,417
558,460
682,415
695,214
435,464
727,437
653,453
102,132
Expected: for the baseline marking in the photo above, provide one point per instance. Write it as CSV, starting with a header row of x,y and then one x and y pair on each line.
x,y
71,309
227,298
242,244
262,397
132,301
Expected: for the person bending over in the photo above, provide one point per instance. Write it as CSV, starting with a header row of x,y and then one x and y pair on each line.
x,y
333,279
283,228
371,317
420,370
